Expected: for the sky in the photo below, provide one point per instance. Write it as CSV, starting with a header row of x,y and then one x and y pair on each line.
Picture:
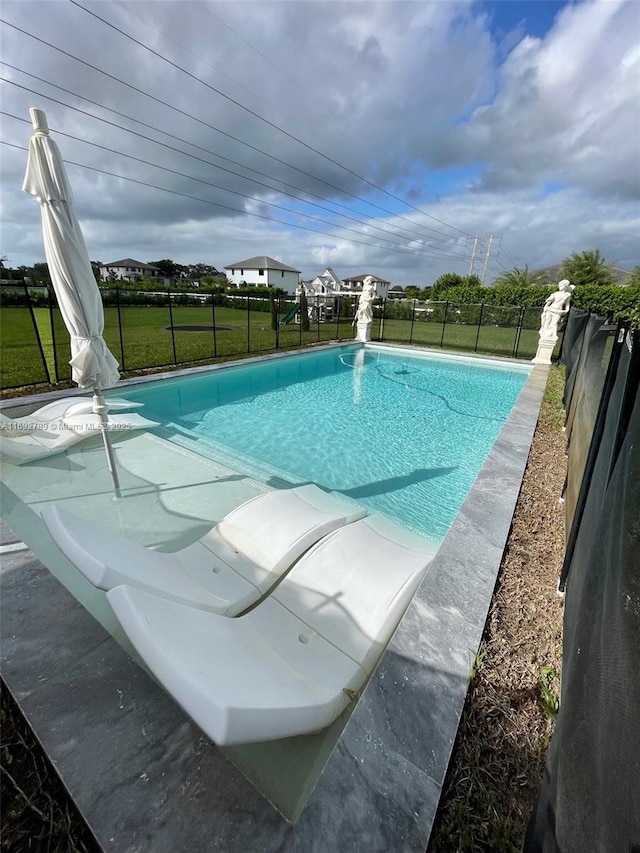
x,y
403,139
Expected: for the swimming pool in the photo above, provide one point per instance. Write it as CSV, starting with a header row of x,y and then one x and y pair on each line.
x,y
402,433
172,496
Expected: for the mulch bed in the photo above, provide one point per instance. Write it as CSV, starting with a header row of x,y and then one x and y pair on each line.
x,y
38,814
499,753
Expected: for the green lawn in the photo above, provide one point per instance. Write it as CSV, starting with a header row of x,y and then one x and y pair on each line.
x,y
492,340
145,339
20,359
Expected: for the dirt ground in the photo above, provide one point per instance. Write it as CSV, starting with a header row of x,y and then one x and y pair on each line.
x,y
508,717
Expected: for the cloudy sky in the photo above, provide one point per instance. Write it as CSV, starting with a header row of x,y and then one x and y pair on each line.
x,y
400,138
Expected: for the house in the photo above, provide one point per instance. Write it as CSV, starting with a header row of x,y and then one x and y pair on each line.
x,y
129,269
354,284
264,271
322,292
325,284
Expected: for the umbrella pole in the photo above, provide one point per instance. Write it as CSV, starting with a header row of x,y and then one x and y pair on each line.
x,y
100,408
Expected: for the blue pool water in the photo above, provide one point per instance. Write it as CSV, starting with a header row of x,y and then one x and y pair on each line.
x,y
400,433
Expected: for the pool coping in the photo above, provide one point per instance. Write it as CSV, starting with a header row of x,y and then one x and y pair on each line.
x,y
144,776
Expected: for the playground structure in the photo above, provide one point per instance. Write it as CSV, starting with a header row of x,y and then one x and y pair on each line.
x,y
321,309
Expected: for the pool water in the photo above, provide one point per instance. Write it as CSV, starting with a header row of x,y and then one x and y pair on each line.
x,y
401,433
397,431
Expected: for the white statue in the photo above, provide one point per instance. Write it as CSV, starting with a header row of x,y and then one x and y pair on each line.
x,y
364,314
554,308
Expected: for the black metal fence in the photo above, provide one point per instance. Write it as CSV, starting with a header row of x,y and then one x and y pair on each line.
x,y
148,329
589,794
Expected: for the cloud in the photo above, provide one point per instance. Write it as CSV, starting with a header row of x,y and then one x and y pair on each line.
x,y
564,109
408,97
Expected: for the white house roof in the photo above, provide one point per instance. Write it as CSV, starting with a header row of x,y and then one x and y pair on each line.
x,y
260,262
130,262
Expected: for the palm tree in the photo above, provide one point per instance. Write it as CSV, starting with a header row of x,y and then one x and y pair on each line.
x,y
516,277
587,268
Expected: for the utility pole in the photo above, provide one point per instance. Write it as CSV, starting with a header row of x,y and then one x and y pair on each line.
x,y
473,254
486,260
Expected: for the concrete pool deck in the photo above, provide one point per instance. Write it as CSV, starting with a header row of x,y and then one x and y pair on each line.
x,y
144,776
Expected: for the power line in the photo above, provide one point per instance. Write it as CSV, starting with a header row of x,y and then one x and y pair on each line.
x,y
214,128
187,154
234,80
207,201
262,118
210,184
423,253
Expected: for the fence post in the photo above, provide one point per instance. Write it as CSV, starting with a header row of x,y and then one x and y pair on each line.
x,y
278,314
213,323
53,334
35,329
122,360
173,334
249,325
516,344
413,318
383,314
444,322
475,349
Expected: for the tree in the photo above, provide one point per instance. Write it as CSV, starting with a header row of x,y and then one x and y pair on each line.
x,y
516,277
168,268
413,292
635,277
200,270
587,268
95,266
38,273
444,282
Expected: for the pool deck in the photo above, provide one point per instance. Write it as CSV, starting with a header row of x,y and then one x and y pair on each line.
x,y
145,777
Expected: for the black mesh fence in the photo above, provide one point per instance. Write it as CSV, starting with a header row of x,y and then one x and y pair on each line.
x,y
509,330
588,374
22,354
590,794
572,341
149,329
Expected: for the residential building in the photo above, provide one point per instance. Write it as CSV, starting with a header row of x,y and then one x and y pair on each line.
x,y
129,269
264,271
325,284
354,284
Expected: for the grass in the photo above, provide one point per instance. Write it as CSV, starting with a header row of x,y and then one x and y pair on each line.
x,y
146,340
491,340
140,337
20,359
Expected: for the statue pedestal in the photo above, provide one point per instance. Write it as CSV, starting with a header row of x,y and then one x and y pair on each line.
x,y
363,331
543,354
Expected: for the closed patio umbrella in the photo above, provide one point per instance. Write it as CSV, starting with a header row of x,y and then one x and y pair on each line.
x,y
93,365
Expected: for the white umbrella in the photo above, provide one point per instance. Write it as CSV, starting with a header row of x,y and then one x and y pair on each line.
x,y
93,365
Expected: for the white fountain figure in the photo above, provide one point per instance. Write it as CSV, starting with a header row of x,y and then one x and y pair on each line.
x,y
364,313
556,306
